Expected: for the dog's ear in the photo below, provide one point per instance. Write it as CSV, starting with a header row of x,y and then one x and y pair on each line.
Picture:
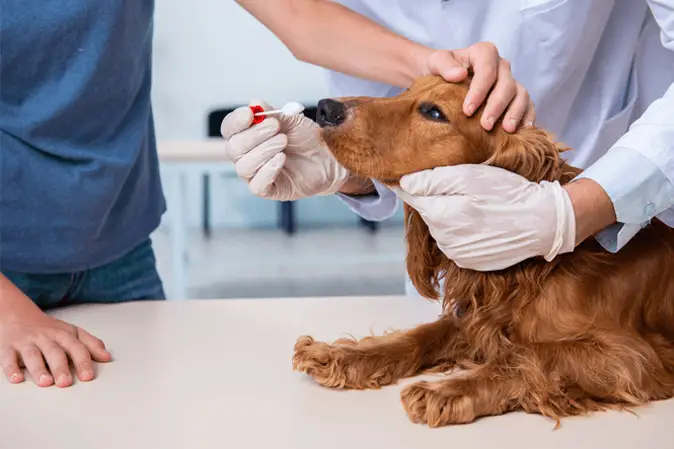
x,y
424,258
531,153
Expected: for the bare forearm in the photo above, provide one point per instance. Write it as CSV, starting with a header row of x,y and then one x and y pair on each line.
x,y
12,300
593,208
330,35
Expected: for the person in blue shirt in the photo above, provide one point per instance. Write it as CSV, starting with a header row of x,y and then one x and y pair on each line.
x,y
80,186
80,189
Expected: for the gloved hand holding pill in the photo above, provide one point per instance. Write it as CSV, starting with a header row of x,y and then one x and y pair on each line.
x,y
278,152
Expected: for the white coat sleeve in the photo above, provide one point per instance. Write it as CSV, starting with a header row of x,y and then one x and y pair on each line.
x,y
637,172
379,206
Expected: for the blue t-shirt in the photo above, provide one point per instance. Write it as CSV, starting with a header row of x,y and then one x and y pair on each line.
x,y
78,161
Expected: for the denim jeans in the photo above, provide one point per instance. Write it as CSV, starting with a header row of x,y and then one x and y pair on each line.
x,y
132,277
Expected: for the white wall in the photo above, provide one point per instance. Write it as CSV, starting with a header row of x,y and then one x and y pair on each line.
x,y
210,54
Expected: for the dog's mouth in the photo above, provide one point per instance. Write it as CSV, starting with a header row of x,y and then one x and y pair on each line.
x,y
362,167
356,156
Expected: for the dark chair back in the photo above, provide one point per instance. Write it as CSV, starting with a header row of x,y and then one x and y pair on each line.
x,y
215,118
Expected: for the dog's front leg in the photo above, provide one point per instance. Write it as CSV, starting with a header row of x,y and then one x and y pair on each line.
x,y
377,361
556,379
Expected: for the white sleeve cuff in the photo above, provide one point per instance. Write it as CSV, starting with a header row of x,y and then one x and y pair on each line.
x,y
379,206
638,189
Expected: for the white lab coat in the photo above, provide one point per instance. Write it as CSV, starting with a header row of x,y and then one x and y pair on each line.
x,y
600,73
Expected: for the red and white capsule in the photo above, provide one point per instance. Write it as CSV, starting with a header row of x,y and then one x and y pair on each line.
x,y
290,108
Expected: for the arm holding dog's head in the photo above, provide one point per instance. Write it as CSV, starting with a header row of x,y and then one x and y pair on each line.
x,y
424,128
534,154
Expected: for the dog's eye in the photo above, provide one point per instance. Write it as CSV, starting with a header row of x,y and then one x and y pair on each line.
x,y
432,112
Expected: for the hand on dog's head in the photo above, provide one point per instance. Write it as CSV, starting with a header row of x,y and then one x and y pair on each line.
x,y
425,127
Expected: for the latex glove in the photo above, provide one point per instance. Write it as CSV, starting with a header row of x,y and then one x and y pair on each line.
x,y
281,158
485,218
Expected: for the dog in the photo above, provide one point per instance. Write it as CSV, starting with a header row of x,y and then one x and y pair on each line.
x,y
586,332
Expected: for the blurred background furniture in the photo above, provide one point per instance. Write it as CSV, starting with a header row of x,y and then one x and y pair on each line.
x,y
181,159
217,239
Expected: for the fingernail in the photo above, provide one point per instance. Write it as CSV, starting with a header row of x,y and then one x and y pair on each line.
x,y
62,379
86,371
490,122
455,72
44,378
530,124
470,109
14,377
513,122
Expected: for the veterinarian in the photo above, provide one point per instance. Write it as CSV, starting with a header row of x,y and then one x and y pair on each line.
x,y
81,192
601,76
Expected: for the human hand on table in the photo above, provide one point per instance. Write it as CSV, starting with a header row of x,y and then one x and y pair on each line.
x,y
492,82
486,218
281,159
31,337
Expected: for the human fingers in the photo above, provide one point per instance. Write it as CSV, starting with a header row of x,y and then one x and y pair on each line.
x,y
483,58
287,123
240,119
94,345
517,111
236,121
259,102
439,181
262,183
240,144
32,359
503,93
445,64
530,115
249,164
80,356
438,212
416,201
464,180
10,366
57,361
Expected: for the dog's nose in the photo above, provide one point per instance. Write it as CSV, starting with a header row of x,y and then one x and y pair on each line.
x,y
330,113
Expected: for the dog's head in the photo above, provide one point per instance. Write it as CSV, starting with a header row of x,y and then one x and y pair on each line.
x,y
422,128
425,127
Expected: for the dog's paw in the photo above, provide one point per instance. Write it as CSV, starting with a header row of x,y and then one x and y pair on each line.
x,y
415,400
320,361
344,364
346,341
435,405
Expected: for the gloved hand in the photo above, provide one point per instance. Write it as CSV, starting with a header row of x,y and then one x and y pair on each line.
x,y
281,159
486,218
